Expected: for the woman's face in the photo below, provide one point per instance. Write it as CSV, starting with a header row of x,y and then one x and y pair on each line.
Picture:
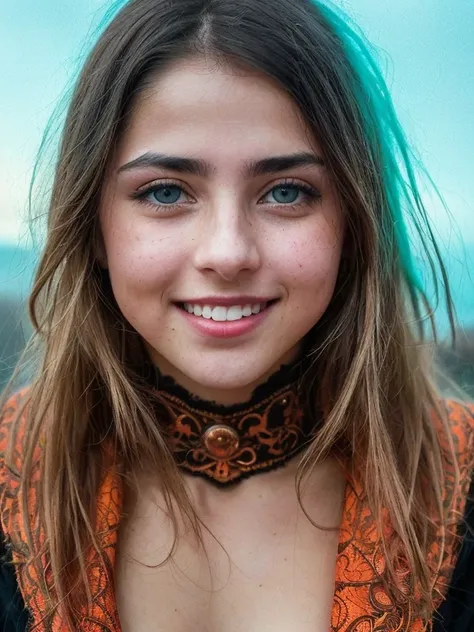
x,y
221,228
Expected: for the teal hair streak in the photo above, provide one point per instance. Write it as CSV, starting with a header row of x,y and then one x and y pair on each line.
x,y
399,166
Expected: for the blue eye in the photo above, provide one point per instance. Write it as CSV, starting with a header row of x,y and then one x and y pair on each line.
x,y
286,193
166,194
291,193
163,197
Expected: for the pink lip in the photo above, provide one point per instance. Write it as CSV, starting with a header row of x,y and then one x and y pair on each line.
x,y
227,301
225,329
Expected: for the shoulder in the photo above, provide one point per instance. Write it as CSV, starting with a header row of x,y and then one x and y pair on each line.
x,y
460,418
460,414
13,419
13,615
456,439
456,612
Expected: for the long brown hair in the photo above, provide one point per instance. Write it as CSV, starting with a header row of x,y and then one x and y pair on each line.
x,y
368,348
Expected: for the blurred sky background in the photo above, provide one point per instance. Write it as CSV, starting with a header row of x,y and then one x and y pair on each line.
x,y
428,55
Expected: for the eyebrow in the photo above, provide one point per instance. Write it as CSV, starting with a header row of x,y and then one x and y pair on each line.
x,y
202,168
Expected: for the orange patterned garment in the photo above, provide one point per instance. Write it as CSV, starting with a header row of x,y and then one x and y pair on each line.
x,y
361,603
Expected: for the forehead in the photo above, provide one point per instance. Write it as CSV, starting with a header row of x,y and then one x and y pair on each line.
x,y
199,105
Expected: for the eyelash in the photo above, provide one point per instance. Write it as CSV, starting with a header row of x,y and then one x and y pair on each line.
x,y
311,195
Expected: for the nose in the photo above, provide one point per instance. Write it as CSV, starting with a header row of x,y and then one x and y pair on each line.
x,y
228,244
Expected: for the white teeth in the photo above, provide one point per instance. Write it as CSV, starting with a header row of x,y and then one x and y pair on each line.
x,y
222,314
219,314
207,312
234,313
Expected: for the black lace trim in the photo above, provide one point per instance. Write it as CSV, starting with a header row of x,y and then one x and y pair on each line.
x,y
288,375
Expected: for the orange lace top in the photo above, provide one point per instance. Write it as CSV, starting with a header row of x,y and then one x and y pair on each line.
x,y
360,604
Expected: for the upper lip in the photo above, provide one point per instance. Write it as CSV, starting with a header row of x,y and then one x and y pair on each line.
x,y
228,301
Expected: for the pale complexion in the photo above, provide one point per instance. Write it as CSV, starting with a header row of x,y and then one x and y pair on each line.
x,y
229,231
264,568
241,224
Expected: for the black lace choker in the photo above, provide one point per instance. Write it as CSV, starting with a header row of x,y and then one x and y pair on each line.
x,y
228,443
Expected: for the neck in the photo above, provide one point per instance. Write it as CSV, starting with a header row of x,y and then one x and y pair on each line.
x,y
226,443
226,395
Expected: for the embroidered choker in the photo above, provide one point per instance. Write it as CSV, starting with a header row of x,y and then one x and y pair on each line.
x,y
228,443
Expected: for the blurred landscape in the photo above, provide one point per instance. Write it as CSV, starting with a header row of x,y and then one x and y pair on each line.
x,y
17,267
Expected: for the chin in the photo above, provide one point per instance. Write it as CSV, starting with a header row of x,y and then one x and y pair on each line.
x,y
230,379
226,372
227,382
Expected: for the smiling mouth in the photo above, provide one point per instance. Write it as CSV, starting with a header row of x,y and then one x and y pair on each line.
x,y
220,313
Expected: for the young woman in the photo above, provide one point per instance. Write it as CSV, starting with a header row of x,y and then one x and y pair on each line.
x,y
234,424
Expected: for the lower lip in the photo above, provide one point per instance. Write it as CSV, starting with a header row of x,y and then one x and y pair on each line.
x,y
228,328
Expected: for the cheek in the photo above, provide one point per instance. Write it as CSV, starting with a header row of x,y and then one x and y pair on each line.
x,y
308,258
139,260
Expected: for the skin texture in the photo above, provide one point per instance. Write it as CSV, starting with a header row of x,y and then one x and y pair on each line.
x,y
227,234
264,565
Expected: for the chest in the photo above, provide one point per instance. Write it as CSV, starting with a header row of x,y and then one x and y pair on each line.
x,y
262,565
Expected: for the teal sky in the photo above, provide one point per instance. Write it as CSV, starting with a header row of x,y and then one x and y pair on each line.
x,y
428,52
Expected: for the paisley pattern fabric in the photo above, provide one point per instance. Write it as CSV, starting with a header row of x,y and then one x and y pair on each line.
x,y
102,614
361,603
